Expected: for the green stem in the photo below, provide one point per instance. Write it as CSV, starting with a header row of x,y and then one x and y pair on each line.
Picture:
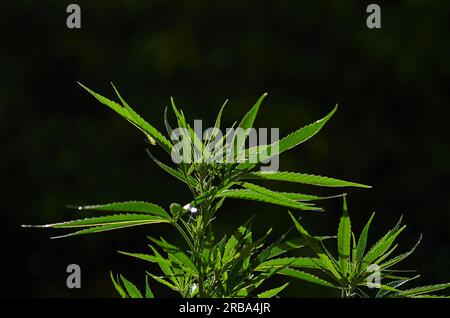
x,y
200,239
183,233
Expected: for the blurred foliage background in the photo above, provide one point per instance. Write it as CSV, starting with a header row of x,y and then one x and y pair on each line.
x,y
60,147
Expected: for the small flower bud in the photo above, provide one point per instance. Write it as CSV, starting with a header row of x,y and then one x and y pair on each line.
x,y
190,208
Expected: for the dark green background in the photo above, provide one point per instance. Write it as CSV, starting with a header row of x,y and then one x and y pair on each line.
x,y
61,147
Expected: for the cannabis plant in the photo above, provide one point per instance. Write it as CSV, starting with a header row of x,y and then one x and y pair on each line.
x,y
355,271
235,265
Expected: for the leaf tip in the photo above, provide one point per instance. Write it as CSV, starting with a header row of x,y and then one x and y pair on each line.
x,y
82,85
62,236
75,207
36,226
344,202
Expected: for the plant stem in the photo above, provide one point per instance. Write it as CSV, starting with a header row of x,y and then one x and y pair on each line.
x,y
183,233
